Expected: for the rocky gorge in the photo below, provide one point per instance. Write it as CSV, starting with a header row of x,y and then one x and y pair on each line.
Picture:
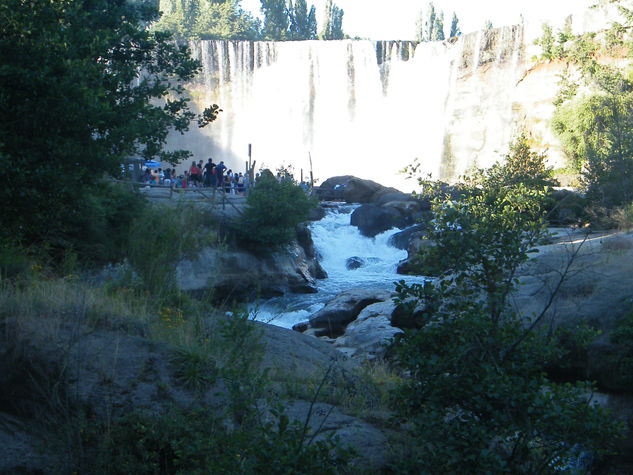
x,y
349,332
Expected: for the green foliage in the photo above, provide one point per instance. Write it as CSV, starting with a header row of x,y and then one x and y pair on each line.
x,y
522,166
332,22
303,24
478,398
84,86
276,19
555,47
194,368
196,441
595,128
596,132
455,31
160,238
275,207
201,19
430,26
546,42
622,336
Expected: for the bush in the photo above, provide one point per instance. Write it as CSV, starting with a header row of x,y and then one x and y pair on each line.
x,y
198,442
274,210
160,238
477,397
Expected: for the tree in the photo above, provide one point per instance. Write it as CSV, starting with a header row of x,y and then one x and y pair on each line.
x,y
455,31
84,86
204,19
477,396
303,24
275,208
430,26
276,19
596,128
332,23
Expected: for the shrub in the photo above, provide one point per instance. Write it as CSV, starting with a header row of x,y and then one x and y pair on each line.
x,y
477,397
198,442
274,210
160,238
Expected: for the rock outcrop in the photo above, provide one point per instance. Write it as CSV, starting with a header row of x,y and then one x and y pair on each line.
x,y
240,275
76,362
332,319
381,209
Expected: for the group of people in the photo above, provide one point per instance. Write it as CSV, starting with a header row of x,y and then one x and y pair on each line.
x,y
209,175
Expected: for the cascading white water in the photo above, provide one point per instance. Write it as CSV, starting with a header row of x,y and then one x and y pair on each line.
x,y
335,242
357,107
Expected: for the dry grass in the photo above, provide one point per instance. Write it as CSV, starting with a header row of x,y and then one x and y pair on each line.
x,y
363,392
618,243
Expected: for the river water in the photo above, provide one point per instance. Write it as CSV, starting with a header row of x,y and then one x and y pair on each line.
x,y
336,241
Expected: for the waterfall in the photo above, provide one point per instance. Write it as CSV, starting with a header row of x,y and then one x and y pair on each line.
x,y
363,108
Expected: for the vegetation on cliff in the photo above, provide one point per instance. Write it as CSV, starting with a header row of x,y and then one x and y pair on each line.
x,y
594,118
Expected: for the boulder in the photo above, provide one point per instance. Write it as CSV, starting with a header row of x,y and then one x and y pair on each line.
x,y
356,190
241,275
403,239
354,263
369,443
304,238
69,358
316,214
367,336
596,291
332,319
409,314
372,219
407,266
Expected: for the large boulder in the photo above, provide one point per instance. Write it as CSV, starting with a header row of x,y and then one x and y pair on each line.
x,y
75,359
597,290
241,275
354,190
368,335
332,319
372,219
369,443
403,239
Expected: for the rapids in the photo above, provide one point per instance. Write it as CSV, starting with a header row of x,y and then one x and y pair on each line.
x,y
335,241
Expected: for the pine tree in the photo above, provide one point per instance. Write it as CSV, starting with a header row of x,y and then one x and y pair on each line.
x,y
430,26
438,30
302,23
276,19
455,31
333,22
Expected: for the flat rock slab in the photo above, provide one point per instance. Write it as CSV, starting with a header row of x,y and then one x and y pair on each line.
x,y
332,319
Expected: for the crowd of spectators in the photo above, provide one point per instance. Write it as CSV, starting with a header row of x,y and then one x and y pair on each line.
x,y
209,175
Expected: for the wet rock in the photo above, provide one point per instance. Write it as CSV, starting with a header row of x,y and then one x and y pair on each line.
x,y
372,219
367,336
354,263
332,319
402,239
241,275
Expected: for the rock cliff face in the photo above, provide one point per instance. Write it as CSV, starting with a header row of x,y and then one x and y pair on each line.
x,y
241,275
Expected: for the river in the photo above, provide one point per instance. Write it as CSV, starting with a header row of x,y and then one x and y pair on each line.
x,y
335,241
